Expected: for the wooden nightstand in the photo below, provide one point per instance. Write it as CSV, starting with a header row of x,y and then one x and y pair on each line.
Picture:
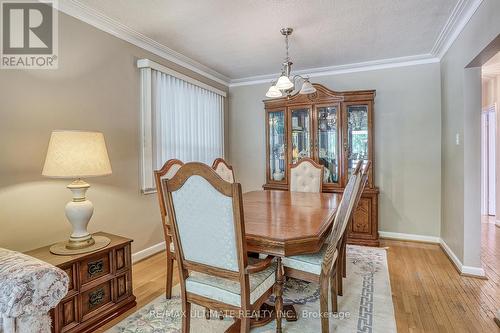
x,y
100,286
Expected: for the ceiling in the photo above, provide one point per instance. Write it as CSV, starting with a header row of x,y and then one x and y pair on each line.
x,y
241,39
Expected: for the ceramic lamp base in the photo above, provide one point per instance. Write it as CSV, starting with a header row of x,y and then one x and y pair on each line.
x,y
79,212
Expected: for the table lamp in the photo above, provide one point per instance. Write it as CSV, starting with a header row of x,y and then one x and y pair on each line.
x,y
76,155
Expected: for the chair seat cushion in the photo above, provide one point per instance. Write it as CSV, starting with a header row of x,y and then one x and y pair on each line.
x,y
229,291
310,262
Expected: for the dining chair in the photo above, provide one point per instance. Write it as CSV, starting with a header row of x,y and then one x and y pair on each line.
x,y
209,234
167,171
306,176
359,188
223,169
322,267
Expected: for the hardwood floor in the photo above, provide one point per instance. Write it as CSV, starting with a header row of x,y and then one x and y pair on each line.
x,y
428,293
430,296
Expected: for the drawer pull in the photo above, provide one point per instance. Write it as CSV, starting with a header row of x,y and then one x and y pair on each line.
x,y
96,297
95,267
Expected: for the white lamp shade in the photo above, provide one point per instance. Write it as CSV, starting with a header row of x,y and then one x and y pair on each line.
x,y
284,83
76,154
307,88
273,92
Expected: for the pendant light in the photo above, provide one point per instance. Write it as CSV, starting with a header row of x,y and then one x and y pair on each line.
x,y
285,84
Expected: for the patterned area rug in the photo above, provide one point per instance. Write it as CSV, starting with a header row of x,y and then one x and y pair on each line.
x,y
365,307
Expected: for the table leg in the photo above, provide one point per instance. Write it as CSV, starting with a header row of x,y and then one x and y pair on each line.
x,y
278,291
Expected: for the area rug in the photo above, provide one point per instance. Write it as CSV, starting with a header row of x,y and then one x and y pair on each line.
x,y
365,307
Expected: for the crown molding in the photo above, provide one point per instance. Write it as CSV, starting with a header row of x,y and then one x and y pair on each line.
x,y
95,18
343,69
457,21
459,17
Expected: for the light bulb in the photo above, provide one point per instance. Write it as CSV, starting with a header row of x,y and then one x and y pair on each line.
x,y
284,83
273,92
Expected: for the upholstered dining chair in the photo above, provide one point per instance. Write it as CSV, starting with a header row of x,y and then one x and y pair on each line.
x,y
359,187
322,267
223,169
209,235
167,171
306,176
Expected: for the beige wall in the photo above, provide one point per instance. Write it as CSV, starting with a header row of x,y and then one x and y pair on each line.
x,y
461,102
95,88
407,142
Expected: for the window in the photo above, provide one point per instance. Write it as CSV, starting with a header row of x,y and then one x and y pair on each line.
x,y
180,118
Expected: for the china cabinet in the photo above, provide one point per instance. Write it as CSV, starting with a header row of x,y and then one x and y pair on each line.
x,y
336,130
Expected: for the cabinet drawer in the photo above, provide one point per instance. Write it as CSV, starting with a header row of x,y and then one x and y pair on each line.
x,y
95,267
67,313
95,298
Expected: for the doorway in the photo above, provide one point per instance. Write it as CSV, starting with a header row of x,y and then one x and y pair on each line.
x,y
488,159
490,139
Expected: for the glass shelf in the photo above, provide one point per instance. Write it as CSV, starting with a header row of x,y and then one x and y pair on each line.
x,y
277,145
328,142
357,135
301,135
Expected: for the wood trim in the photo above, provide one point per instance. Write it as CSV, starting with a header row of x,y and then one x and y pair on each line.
x,y
197,169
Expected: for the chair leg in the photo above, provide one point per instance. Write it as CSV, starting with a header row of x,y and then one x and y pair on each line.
x,y
339,281
333,292
344,259
245,324
170,273
186,318
323,305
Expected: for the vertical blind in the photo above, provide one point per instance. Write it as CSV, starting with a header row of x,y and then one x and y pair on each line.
x,y
180,120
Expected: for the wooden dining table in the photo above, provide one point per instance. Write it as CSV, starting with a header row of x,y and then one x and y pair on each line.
x,y
284,223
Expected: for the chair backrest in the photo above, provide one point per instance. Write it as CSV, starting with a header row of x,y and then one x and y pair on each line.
x,y
340,217
207,221
167,171
357,190
223,169
306,176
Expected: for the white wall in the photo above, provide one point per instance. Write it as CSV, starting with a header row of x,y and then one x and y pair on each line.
x,y
407,142
461,102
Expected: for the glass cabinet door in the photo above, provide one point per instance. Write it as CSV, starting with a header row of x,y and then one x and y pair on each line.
x,y
357,135
327,142
300,124
277,146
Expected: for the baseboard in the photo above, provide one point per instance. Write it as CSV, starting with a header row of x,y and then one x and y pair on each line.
x,y
409,237
147,252
462,269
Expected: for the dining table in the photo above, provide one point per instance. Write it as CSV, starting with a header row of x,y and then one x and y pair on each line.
x,y
285,223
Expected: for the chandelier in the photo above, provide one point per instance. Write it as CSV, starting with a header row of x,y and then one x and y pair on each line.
x,y
285,84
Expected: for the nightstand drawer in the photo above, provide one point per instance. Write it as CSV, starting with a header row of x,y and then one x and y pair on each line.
x,y
95,267
95,298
